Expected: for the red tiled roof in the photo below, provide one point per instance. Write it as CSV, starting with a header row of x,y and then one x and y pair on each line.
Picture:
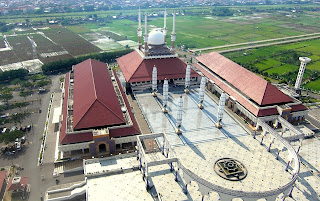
x,y
130,130
71,138
95,102
63,130
255,87
2,178
135,69
244,102
299,107
19,186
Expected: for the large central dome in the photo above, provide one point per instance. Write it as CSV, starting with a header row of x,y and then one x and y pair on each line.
x,y
156,37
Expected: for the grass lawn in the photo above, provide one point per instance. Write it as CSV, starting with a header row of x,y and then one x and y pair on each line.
x,y
269,63
282,69
315,85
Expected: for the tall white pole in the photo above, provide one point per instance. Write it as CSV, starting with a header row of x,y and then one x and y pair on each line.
x,y
154,81
165,30
139,30
222,102
201,92
165,95
173,34
187,79
146,35
179,115
304,61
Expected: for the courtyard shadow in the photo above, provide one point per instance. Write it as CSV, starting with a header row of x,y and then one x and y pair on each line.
x,y
233,138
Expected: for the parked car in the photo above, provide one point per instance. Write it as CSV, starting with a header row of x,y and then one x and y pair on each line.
x,y
13,128
23,140
4,130
28,127
18,146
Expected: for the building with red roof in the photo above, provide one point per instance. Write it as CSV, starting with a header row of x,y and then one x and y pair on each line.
x,y
249,95
96,115
18,184
137,66
3,183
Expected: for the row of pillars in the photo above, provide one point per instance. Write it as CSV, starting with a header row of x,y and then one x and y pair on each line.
x,y
186,90
264,133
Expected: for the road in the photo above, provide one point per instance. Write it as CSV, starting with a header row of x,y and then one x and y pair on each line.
x,y
28,157
298,38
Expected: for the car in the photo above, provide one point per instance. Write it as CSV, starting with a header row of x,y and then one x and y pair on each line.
x,y
16,140
18,146
28,127
23,140
13,128
4,130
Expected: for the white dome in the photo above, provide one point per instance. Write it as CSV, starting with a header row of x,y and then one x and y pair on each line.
x,y
156,37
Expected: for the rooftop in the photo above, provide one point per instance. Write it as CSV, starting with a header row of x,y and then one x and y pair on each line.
x,y
137,69
94,94
247,83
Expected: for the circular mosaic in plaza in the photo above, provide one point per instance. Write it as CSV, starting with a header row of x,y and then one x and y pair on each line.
x,y
230,169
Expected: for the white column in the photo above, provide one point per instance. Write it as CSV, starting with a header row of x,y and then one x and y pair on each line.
x,y
165,95
187,79
221,109
179,116
201,91
154,81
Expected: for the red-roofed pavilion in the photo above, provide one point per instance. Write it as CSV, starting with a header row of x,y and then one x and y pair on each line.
x,y
249,95
96,112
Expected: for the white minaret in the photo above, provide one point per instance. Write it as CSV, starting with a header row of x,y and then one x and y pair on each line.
x,y
165,30
139,30
173,34
146,35
187,79
154,81
179,116
165,95
201,91
304,61
222,102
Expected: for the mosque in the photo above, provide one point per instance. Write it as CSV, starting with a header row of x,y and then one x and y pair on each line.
x,y
188,155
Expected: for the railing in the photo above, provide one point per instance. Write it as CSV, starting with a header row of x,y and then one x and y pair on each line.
x,y
45,132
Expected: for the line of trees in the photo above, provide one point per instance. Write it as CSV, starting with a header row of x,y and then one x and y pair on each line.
x,y
66,65
13,74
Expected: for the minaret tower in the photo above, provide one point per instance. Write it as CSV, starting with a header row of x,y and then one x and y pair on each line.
x,y
165,30
139,30
146,36
173,34
304,61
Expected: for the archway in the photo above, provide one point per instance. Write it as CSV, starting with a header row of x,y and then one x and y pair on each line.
x,y
102,148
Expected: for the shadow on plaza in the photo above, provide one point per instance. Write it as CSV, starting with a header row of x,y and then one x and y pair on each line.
x,y
311,194
233,138
164,172
308,164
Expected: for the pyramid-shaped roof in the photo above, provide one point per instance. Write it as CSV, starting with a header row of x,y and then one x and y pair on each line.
x,y
248,83
137,69
95,102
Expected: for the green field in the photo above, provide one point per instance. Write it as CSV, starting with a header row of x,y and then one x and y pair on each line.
x,y
207,31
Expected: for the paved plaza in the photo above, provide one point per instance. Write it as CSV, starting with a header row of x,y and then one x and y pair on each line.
x,y
197,125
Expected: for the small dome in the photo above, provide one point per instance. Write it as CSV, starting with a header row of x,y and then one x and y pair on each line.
x,y
156,37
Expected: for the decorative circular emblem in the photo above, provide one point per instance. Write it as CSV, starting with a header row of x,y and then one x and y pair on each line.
x,y
230,169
